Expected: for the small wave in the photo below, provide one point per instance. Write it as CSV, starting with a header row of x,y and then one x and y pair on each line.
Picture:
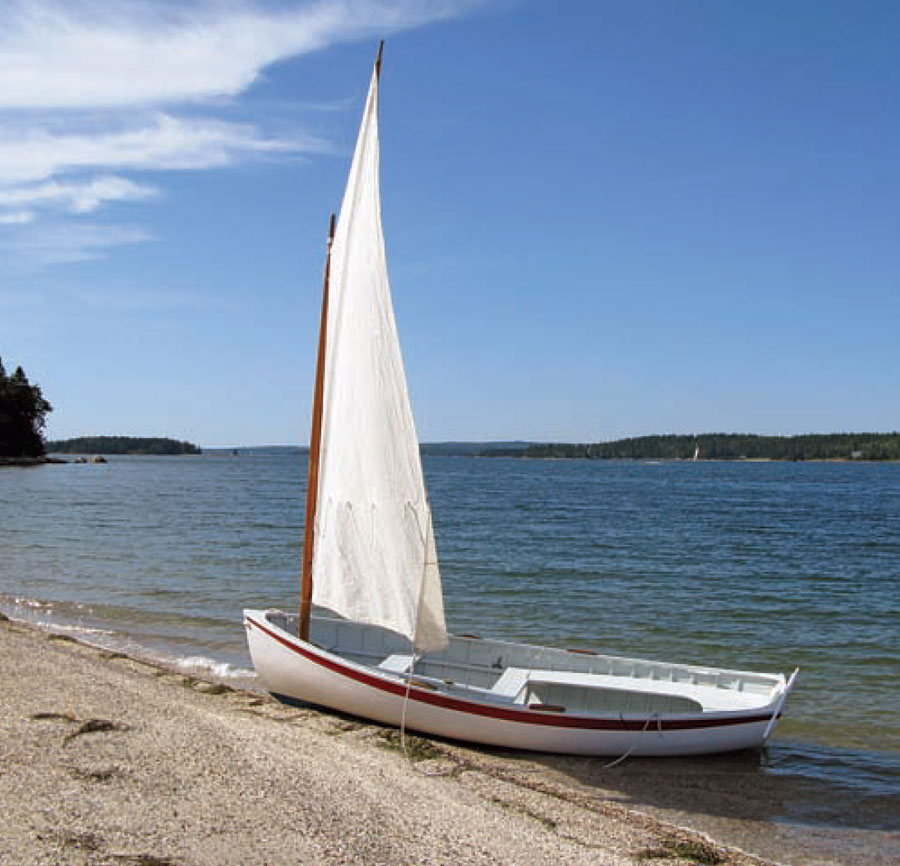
x,y
56,628
31,603
27,604
112,640
220,669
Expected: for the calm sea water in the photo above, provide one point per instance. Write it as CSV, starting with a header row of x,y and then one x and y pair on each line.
x,y
750,565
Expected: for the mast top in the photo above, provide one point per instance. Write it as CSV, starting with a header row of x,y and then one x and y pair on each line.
x,y
378,59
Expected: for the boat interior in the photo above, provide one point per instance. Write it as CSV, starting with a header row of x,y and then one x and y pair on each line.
x,y
573,681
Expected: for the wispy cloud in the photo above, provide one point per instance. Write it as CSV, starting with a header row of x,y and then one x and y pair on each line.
x,y
94,89
75,197
16,217
162,142
107,53
63,243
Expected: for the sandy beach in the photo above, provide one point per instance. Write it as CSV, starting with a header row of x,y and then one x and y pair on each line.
x,y
110,760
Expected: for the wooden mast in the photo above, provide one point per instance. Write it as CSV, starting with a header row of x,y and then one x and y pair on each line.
x,y
315,441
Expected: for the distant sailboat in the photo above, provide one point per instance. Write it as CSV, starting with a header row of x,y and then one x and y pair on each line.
x,y
381,649
696,452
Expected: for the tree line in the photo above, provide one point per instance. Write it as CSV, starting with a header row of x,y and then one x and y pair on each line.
x,y
732,446
23,415
122,445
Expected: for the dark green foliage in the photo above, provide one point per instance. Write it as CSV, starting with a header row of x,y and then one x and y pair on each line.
x,y
121,445
735,446
23,414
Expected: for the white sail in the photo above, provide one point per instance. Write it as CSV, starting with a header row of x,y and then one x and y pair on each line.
x,y
374,558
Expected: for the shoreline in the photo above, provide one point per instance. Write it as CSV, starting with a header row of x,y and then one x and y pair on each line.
x,y
110,757
30,461
110,760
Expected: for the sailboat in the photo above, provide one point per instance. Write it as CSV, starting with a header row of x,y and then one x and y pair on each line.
x,y
377,646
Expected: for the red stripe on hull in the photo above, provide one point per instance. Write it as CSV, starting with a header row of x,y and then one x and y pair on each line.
x,y
510,715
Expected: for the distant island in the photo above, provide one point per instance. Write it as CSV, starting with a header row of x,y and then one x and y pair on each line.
x,y
474,449
707,446
255,450
121,445
427,449
728,446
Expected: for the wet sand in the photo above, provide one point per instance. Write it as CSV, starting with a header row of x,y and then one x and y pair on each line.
x,y
105,759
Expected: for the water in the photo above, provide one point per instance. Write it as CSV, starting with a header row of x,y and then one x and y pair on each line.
x,y
750,565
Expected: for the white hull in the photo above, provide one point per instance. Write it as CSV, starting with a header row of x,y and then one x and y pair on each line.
x,y
517,696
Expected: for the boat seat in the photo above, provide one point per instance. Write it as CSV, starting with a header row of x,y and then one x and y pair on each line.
x,y
397,663
708,698
511,682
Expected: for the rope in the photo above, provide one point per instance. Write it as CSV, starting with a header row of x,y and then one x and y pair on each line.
x,y
637,739
424,535
403,747
409,678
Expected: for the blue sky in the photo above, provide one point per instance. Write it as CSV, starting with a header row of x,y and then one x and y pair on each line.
x,y
602,219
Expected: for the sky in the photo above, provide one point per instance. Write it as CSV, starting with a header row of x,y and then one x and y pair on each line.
x,y
603,219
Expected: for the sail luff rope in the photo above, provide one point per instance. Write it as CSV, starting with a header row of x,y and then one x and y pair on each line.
x,y
416,656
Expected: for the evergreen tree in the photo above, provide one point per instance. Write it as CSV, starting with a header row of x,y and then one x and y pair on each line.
x,y
23,414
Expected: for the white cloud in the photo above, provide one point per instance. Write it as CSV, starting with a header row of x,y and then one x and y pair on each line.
x,y
42,168
76,197
116,53
162,142
94,89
